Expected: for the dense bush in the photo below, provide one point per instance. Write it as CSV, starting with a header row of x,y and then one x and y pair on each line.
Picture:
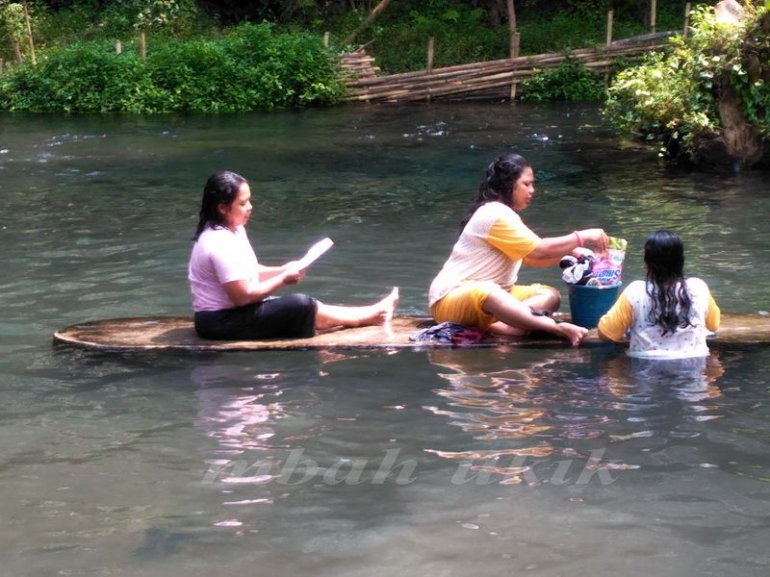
x,y
251,68
89,20
570,80
674,98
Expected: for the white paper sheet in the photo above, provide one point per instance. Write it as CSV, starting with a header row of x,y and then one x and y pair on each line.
x,y
314,252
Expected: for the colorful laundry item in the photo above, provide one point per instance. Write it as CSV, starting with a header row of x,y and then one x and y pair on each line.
x,y
451,334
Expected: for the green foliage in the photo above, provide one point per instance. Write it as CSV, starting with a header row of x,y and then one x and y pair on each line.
x,y
672,98
251,68
570,80
13,30
750,79
12,21
562,31
119,19
467,31
460,36
82,77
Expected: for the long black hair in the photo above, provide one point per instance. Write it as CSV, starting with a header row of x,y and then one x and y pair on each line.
x,y
221,189
664,257
497,184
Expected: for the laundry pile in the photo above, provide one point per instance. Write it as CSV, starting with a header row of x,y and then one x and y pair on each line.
x,y
450,334
590,269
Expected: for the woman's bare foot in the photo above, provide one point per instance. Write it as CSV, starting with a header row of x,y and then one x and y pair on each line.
x,y
335,316
380,313
384,309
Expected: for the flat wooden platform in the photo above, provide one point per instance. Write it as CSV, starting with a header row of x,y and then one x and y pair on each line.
x,y
178,334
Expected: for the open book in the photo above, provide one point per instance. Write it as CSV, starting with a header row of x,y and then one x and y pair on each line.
x,y
314,252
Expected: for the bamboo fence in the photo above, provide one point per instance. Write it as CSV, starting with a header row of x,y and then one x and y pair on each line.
x,y
497,78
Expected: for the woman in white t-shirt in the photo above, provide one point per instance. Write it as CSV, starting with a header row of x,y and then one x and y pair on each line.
x,y
233,294
669,315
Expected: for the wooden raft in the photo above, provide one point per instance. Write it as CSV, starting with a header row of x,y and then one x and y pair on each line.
x,y
178,334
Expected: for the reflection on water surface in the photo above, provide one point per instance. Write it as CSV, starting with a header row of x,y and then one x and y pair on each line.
x,y
575,403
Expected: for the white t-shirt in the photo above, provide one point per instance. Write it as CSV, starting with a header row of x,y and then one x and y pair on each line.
x,y
492,247
219,256
633,311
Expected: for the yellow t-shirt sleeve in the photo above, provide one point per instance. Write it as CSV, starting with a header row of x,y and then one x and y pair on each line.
x,y
618,319
515,242
713,315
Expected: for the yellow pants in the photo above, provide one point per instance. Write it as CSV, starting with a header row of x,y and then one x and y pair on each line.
x,y
464,304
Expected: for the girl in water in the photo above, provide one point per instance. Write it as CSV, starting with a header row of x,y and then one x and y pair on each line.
x,y
669,315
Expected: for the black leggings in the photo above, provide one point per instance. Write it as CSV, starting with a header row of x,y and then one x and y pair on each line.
x,y
286,317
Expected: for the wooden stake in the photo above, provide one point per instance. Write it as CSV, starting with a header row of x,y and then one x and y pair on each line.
x,y
514,84
2,65
431,44
429,67
608,43
29,33
512,27
653,15
143,46
118,47
514,42
686,30
326,40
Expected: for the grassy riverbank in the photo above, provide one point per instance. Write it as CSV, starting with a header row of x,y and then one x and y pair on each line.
x,y
189,63
399,43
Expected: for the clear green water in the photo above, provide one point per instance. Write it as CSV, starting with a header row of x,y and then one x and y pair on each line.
x,y
540,462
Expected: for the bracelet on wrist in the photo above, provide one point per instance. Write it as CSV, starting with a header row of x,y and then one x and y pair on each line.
x,y
579,239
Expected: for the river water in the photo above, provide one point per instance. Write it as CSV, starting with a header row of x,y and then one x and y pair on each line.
x,y
462,462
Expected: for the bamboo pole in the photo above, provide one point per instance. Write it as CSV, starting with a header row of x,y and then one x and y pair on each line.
x,y
686,30
143,45
443,89
417,91
653,15
540,61
29,33
500,81
369,19
497,84
486,78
